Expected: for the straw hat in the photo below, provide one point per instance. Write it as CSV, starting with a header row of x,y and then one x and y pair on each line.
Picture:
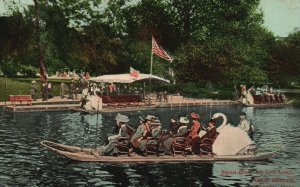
x,y
155,124
150,117
184,120
121,118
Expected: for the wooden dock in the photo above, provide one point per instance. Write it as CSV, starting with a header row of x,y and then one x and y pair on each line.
x,y
41,108
53,104
199,102
58,104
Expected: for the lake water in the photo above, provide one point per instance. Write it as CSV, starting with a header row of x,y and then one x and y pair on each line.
x,y
24,162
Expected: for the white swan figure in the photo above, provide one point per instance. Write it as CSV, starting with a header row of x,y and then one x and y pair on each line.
x,y
94,103
231,140
217,115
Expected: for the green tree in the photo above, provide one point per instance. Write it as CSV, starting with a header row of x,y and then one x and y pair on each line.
x,y
96,51
284,62
212,40
142,20
228,44
16,42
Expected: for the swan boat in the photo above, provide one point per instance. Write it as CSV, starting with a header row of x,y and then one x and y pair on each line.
x,y
249,102
264,105
232,144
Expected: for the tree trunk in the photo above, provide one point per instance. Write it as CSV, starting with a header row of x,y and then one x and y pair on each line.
x,y
41,60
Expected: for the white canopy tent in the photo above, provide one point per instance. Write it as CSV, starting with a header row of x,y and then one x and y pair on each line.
x,y
127,78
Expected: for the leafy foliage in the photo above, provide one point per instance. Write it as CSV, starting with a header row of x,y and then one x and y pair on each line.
x,y
15,42
284,62
210,40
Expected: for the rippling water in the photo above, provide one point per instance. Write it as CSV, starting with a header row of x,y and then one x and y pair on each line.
x,y
24,162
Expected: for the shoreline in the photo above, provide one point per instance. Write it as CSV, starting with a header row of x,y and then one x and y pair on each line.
x,y
58,104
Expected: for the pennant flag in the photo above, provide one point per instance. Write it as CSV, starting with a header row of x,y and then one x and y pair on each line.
x,y
134,73
159,51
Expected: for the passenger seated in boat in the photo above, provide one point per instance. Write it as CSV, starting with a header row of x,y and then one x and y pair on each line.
x,y
182,131
282,97
143,131
154,121
121,138
152,142
165,134
207,141
211,130
245,124
117,126
193,137
276,95
155,132
174,126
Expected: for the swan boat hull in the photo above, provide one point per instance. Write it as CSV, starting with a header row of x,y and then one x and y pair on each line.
x,y
86,155
115,109
268,104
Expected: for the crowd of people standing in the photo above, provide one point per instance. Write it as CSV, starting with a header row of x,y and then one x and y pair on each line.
x,y
67,90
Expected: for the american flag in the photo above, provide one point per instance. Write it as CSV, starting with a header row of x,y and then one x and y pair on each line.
x,y
159,51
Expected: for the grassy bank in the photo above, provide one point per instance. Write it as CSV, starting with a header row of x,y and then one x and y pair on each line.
x,y
21,86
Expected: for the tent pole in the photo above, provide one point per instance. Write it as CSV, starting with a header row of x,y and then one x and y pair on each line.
x,y
5,91
144,90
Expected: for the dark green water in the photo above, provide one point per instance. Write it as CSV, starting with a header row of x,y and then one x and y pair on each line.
x,y
24,162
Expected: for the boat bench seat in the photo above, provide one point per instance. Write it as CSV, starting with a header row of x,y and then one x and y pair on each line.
x,y
206,146
152,145
125,148
122,100
20,98
182,145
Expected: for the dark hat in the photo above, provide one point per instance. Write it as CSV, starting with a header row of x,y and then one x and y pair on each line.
x,y
173,120
212,121
243,114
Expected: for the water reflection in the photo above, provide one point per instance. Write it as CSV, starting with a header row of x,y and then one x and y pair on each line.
x,y
23,162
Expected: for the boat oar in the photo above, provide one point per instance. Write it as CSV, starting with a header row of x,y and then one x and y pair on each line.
x,y
97,123
83,124
98,100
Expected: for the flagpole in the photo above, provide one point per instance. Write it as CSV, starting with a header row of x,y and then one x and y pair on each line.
x,y
151,57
